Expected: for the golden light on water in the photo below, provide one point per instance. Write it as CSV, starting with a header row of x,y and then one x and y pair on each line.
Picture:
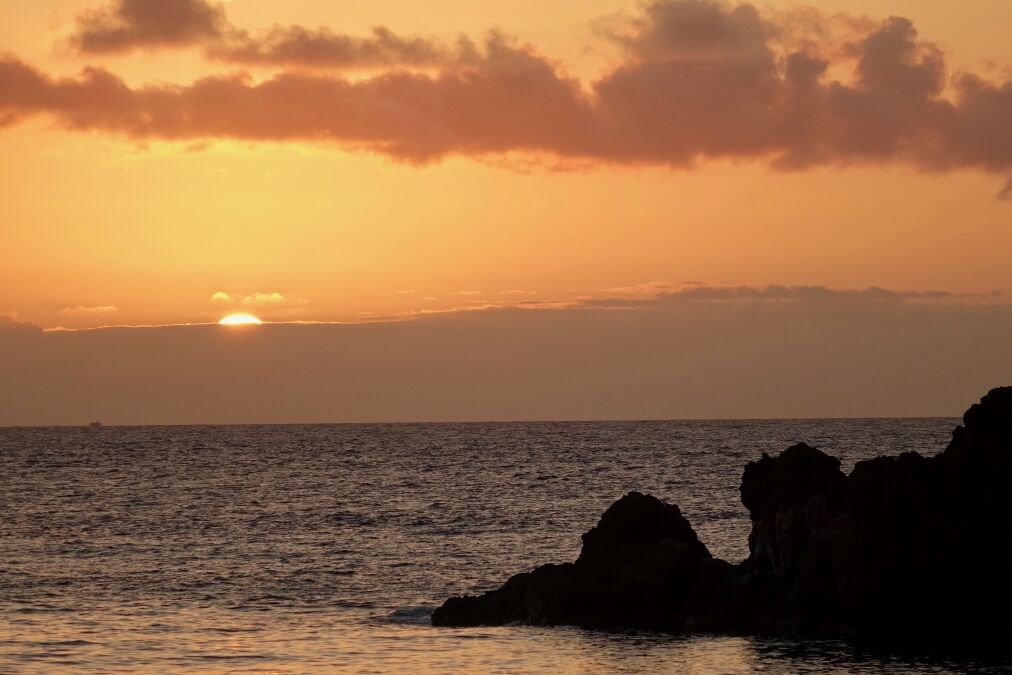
x,y
240,320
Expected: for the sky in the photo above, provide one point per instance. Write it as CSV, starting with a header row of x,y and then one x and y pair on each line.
x,y
604,181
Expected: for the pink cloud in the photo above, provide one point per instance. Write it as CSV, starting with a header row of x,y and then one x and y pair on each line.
x,y
699,80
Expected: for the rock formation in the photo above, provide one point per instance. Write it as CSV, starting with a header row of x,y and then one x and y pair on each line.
x,y
903,545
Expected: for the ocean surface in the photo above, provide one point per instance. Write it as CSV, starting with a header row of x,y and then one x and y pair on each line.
x,y
326,548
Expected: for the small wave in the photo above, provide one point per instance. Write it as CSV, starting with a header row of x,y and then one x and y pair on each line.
x,y
411,615
41,609
229,657
354,604
355,520
340,573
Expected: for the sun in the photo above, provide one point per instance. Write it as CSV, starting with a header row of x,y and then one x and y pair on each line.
x,y
240,320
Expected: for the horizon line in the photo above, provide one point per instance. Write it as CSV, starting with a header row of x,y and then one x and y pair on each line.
x,y
617,420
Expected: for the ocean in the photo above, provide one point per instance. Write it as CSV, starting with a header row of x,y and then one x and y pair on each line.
x,y
326,547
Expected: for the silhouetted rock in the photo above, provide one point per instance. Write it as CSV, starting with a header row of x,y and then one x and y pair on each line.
x,y
642,566
903,545
787,499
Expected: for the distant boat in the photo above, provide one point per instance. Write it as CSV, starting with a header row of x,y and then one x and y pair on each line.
x,y
95,425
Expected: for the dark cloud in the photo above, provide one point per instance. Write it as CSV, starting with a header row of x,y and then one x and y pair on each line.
x,y
703,293
129,24
688,359
125,25
778,292
511,100
15,338
321,47
700,31
11,326
699,79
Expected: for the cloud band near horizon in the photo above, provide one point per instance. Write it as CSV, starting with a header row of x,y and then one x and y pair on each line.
x,y
701,353
643,297
698,80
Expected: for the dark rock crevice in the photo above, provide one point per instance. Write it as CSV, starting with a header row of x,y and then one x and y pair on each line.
x,y
903,545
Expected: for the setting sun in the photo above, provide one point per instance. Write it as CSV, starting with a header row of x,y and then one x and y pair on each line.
x,y
240,320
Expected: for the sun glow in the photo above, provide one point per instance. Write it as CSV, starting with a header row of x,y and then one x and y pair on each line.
x,y
240,320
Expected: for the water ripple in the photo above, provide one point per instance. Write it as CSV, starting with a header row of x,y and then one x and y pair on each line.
x,y
302,548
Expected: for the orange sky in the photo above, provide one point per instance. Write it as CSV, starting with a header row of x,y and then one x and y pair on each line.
x,y
103,225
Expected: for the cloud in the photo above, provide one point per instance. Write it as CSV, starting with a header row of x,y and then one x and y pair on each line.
x,y
272,298
123,25
82,310
414,117
820,357
655,295
780,293
698,80
299,46
642,297
265,299
11,326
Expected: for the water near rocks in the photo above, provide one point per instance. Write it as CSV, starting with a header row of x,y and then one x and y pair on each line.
x,y
299,548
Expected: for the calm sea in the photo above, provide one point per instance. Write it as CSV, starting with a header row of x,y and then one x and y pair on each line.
x,y
322,548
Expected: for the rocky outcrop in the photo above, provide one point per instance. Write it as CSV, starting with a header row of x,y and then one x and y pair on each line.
x,y
641,567
903,545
